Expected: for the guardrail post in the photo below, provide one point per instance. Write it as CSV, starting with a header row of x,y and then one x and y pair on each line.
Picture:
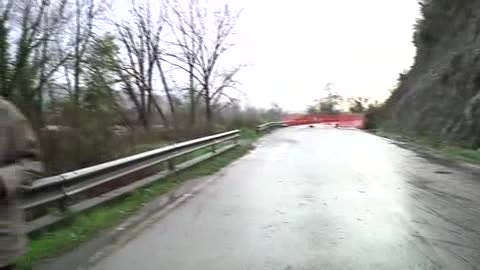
x,y
62,203
171,165
214,148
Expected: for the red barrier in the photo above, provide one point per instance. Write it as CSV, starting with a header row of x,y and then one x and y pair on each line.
x,y
341,120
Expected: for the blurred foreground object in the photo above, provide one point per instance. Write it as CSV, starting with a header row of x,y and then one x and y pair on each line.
x,y
19,165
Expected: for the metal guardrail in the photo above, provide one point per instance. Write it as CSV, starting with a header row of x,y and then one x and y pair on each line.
x,y
270,125
82,189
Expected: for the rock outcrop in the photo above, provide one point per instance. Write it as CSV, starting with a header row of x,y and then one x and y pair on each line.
x,y
440,95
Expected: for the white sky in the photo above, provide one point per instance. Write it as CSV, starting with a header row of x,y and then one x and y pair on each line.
x,y
294,47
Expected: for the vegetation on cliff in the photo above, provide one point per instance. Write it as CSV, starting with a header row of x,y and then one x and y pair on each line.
x,y
439,97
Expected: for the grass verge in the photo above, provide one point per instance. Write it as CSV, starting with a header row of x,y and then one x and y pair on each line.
x,y
82,227
249,134
459,153
452,152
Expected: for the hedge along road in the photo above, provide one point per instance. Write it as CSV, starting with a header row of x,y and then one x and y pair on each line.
x,y
318,198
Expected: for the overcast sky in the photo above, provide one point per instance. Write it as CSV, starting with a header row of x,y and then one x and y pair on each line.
x,y
294,47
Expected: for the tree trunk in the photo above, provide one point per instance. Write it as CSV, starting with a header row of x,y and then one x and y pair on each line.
x,y
76,69
193,101
4,59
169,95
160,112
143,119
208,109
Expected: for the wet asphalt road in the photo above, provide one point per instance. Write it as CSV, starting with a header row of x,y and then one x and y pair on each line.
x,y
319,198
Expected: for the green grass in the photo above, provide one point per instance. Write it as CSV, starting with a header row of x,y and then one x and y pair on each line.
x,y
459,153
453,152
249,134
82,227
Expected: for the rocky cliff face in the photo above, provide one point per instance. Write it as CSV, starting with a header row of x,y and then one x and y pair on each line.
x,y
440,95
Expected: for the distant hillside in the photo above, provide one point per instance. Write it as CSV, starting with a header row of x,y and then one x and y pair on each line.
x,y
440,95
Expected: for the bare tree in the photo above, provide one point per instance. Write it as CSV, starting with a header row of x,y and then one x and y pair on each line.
x,y
226,80
31,14
141,40
37,23
201,51
5,9
47,62
182,26
358,104
84,19
210,52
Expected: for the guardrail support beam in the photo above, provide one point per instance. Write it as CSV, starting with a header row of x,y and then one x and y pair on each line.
x,y
60,191
268,126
